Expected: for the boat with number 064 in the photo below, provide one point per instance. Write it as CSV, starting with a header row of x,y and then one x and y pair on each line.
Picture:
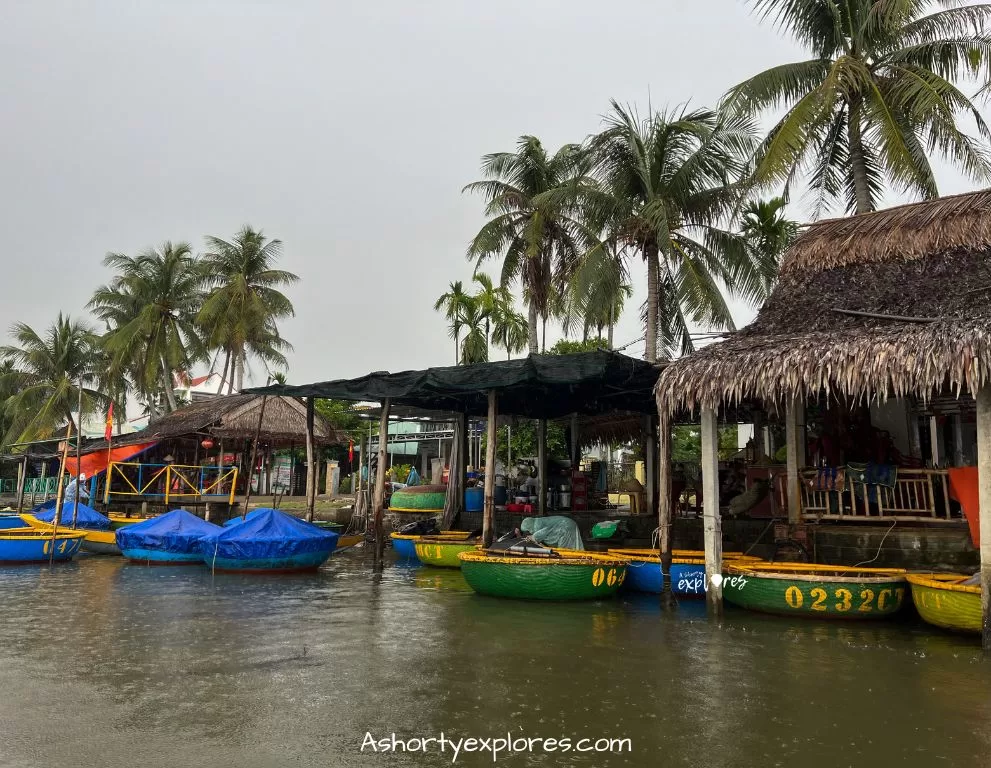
x,y
815,591
944,600
563,574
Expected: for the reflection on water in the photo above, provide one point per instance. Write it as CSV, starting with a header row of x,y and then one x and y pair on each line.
x,y
108,664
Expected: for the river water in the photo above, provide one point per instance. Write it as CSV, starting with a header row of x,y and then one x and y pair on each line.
x,y
103,663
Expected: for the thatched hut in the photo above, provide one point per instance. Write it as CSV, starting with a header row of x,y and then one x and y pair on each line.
x,y
891,307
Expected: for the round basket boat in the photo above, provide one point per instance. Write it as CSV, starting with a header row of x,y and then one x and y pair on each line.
x,y
943,601
442,551
687,570
815,591
404,544
568,575
419,499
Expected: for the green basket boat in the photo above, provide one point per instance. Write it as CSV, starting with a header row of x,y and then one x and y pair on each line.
x,y
569,575
815,591
943,601
419,499
442,551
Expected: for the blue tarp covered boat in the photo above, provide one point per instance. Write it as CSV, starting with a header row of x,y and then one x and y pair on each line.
x,y
269,540
238,520
170,539
86,517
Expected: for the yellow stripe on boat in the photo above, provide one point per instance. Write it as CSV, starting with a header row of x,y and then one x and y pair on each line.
x,y
943,601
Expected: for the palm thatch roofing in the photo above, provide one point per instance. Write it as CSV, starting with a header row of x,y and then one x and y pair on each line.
x,y
235,417
919,273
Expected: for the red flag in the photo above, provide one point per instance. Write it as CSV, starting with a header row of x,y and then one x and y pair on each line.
x,y
109,430
350,451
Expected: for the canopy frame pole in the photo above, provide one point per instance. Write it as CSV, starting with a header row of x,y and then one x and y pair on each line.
x,y
311,479
254,454
488,519
542,466
664,505
711,522
792,409
380,483
983,399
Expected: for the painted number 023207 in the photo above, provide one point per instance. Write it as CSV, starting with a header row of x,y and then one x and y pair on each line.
x,y
842,600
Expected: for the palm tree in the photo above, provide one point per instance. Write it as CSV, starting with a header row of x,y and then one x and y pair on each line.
x,y
241,313
509,329
666,182
488,298
474,346
876,97
539,245
768,234
598,292
455,303
44,372
150,308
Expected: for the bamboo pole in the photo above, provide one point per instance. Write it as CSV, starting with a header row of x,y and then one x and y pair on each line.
x,y
254,453
488,518
542,466
22,479
311,480
984,495
711,522
58,492
792,447
664,511
79,452
379,502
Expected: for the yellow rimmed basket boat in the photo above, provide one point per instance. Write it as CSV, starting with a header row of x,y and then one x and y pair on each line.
x,y
404,544
815,591
565,575
443,551
944,601
687,569
94,542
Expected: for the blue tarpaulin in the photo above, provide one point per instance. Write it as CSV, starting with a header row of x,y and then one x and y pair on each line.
x,y
177,531
268,534
86,517
238,520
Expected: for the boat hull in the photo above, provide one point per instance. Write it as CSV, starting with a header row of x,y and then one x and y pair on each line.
x,y
8,522
687,570
158,557
101,543
815,592
306,561
585,576
346,541
405,547
32,546
944,603
439,553
119,521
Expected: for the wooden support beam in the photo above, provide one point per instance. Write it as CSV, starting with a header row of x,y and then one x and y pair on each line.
x,y
795,460
665,513
311,461
488,519
542,466
650,464
254,455
380,473
984,496
22,478
712,528
934,441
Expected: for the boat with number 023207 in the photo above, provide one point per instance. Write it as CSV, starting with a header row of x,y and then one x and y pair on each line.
x,y
562,574
945,600
815,591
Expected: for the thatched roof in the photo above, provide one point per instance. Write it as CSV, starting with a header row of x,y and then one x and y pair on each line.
x,y
235,417
925,267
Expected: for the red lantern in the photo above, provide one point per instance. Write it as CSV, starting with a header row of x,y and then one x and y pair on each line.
x,y
207,443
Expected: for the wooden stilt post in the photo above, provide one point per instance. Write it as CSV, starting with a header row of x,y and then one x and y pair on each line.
x,y
665,513
79,453
711,521
379,503
254,453
311,461
488,519
542,466
58,493
22,478
650,464
984,496
792,439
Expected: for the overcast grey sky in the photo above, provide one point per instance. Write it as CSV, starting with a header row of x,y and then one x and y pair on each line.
x,y
346,129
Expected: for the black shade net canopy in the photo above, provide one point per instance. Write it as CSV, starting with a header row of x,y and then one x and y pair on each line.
x,y
536,387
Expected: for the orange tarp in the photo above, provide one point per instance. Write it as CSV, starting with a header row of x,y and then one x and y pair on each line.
x,y
963,488
95,463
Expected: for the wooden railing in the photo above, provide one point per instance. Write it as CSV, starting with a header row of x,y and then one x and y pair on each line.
x,y
920,495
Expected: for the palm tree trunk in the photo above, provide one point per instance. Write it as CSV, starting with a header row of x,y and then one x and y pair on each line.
x,y
858,162
543,344
223,375
457,349
532,312
612,321
653,301
240,369
169,393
